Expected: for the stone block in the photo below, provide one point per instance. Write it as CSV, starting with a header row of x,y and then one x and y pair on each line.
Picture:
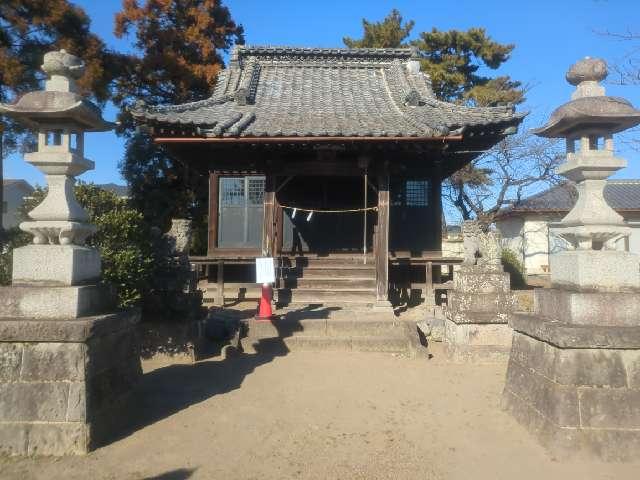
x,y
565,335
498,303
478,334
34,402
41,302
107,386
595,270
10,361
588,308
53,362
102,350
631,359
610,408
481,281
57,439
55,265
77,404
14,439
576,367
557,403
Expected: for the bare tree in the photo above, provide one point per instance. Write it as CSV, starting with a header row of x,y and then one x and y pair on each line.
x,y
516,167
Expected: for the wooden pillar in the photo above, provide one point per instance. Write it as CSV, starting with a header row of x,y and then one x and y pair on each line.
x,y
269,227
212,234
429,291
435,194
220,283
382,237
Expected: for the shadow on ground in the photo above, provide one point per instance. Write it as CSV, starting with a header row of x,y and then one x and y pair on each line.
x,y
178,474
167,390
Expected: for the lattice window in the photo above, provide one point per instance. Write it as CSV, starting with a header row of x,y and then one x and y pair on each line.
x,y
232,191
417,193
255,191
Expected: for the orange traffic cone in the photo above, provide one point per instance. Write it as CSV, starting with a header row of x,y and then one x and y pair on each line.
x,y
264,309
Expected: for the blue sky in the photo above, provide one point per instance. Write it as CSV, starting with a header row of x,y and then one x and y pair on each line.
x,y
549,36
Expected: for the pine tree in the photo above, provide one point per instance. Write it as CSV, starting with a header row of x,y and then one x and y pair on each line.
x,y
451,58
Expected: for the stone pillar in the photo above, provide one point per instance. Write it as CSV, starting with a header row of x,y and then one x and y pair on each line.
x,y
573,378
476,320
67,365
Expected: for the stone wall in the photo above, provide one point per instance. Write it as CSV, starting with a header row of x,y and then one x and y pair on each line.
x,y
576,387
65,386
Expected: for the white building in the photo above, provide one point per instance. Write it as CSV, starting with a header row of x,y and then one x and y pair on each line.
x,y
13,195
525,227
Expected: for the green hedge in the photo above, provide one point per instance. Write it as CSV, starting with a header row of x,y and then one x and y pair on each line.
x,y
130,252
513,266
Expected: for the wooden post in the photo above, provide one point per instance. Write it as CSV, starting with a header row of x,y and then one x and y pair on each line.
x,y
429,291
220,283
212,242
382,237
268,228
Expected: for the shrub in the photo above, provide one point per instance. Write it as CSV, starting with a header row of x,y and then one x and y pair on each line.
x,y
513,266
129,255
10,239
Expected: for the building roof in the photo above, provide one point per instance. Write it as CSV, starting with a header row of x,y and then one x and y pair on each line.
x,y
622,195
9,182
314,92
121,191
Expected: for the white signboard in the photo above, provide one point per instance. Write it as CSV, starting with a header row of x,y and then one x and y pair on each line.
x,y
265,270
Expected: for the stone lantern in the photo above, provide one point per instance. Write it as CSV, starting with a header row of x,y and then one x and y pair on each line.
x,y
588,123
60,116
573,378
68,358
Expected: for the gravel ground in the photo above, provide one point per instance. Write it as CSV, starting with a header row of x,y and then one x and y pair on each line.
x,y
320,416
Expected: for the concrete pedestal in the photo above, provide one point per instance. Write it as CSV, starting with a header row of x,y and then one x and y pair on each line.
x,y
65,385
598,271
576,387
55,265
476,325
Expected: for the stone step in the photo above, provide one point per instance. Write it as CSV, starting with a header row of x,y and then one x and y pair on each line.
x,y
290,325
314,296
395,344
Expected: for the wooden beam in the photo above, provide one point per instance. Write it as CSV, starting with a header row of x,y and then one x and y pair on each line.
x,y
212,234
382,236
276,140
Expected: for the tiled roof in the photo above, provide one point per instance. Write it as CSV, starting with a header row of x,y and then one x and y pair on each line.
x,y
306,92
10,182
620,194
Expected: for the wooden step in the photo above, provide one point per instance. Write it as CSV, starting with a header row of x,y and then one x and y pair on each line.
x,y
332,272
327,283
326,296
307,262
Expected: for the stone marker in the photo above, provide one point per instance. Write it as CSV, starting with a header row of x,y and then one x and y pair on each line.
x,y
574,370
68,361
476,325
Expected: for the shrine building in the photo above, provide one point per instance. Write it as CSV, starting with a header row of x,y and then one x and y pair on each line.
x,y
330,161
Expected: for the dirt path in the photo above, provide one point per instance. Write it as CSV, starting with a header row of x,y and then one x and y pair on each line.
x,y
321,416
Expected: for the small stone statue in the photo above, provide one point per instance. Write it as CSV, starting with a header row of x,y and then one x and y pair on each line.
x,y
471,232
490,249
481,247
